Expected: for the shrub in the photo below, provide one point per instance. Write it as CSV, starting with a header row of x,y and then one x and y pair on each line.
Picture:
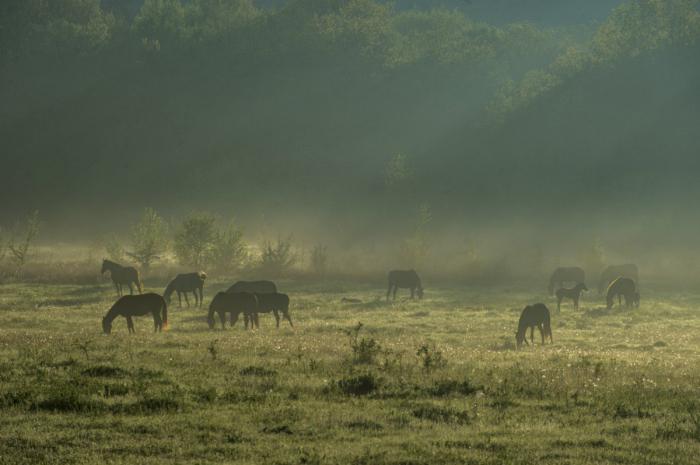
x,y
444,388
360,385
149,238
195,239
365,350
430,357
439,414
278,258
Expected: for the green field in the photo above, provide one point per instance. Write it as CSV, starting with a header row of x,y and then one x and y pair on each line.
x,y
435,381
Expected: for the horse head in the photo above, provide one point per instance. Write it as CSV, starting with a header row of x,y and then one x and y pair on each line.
x,y
105,266
106,326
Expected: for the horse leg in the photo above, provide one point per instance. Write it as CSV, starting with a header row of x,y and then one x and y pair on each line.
x,y
286,315
532,335
187,300
157,322
413,290
396,288
541,332
388,292
130,325
131,288
222,317
234,319
558,305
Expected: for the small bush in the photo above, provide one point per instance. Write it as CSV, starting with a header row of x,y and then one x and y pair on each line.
x,y
104,371
438,414
365,350
430,357
360,385
447,387
257,371
70,400
156,404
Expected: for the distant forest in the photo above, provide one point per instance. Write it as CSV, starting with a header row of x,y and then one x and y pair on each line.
x,y
308,107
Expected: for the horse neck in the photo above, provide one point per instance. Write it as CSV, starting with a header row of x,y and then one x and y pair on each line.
x,y
109,265
169,290
112,314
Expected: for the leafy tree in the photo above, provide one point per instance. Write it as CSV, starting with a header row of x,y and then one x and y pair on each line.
x,y
279,257
229,252
21,241
196,239
149,239
319,259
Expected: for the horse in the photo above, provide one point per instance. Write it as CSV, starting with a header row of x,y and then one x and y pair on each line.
x,y
138,305
235,303
122,275
612,272
573,294
275,303
562,275
622,287
531,316
185,283
404,279
254,287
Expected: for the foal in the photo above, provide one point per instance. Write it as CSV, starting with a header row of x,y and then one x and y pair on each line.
x,y
574,294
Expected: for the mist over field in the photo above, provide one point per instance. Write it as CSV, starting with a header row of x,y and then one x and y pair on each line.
x,y
527,133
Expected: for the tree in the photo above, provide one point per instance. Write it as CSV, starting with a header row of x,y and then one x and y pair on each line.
x,y
196,240
115,251
319,259
21,241
415,248
278,258
149,239
229,251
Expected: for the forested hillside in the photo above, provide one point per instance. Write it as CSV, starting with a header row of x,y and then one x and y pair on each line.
x,y
235,108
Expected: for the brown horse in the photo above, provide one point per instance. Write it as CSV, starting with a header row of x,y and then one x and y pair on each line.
x,y
137,305
275,303
254,287
571,274
533,315
404,279
185,283
122,275
613,272
235,304
622,287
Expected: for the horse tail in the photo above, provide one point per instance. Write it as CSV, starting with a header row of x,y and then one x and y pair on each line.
x,y
165,314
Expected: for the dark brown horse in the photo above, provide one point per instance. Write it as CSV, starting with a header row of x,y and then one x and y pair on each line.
x,y
404,279
254,287
235,304
275,303
573,294
137,305
613,272
622,287
184,284
571,274
536,315
122,275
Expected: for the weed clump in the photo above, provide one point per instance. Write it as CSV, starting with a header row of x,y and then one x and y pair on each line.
x,y
439,414
443,388
104,371
430,357
257,371
364,350
360,385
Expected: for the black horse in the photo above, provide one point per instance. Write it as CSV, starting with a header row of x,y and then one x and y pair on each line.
x,y
536,315
404,279
137,305
185,283
235,304
122,275
254,287
613,272
275,303
572,274
622,287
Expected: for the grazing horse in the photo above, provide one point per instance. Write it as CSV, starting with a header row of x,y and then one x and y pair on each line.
x,y
236,303
275,303
122,275
185,283
622,287
138,305
572,274
533,315
404,279
613,272
254,287
573,294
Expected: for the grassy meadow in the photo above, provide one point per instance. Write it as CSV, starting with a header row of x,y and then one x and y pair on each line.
x,y
436,381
